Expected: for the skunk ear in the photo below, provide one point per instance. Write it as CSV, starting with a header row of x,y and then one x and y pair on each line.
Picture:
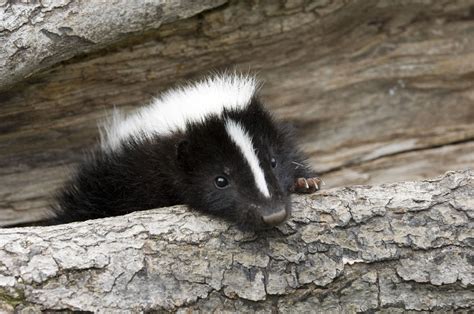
x,y
182,154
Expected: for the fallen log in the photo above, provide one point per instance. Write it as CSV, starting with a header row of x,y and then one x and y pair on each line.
x,y
35,35
380,91
393,247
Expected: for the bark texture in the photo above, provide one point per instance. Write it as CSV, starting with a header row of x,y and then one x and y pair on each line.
x,y
37,34
380,90
388,248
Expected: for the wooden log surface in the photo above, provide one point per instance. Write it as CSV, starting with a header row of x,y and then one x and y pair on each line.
x,y
378,90
37,34
389,248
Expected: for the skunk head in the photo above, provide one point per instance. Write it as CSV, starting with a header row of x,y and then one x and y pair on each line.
x,y
237,166
230,158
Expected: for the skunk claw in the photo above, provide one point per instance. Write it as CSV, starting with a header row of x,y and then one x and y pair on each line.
x,y
306,185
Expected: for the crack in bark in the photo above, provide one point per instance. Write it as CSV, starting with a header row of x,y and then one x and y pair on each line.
x,y
352,163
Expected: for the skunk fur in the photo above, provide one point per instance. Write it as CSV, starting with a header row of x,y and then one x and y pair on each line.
x,y
210,145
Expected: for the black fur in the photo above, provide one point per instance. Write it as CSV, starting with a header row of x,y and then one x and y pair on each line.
x,y
181,169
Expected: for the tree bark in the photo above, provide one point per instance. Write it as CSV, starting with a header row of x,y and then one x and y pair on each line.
x,y
402,246
37,34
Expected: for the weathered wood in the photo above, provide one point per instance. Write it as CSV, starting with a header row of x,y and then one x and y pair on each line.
x,y
37,34
394,247
369,85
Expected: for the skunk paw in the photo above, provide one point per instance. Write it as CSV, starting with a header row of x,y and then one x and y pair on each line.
x,y
306,185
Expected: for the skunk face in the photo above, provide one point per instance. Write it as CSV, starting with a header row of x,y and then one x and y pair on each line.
x,y
233,167
210,145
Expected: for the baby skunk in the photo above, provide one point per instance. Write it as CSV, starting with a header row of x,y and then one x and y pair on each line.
x,y
210,145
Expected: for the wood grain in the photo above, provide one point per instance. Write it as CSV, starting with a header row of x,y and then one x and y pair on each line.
x,y
377,90
38,34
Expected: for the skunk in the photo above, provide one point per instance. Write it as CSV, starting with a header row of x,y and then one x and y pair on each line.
x,y
210,145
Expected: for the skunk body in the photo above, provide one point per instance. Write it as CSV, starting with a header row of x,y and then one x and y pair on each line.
x,y
210,145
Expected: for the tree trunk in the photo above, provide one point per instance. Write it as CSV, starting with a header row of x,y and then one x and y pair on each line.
x,y
37,34
403,246
379,90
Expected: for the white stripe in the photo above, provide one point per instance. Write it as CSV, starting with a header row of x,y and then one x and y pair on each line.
x,y
175,108
243,141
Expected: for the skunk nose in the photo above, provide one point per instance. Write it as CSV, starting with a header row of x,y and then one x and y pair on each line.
x,y
275,218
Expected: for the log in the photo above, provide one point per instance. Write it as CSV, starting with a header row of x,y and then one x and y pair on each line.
x,y
38,34
379,90
389,248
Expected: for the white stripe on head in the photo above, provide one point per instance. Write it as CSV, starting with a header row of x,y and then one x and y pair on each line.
x,y
175,108
244,142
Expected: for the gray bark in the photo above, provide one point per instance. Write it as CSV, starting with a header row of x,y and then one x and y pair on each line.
x,y
388,248
37,34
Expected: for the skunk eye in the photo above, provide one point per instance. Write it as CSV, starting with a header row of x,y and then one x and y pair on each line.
x,y
273,162
221,182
